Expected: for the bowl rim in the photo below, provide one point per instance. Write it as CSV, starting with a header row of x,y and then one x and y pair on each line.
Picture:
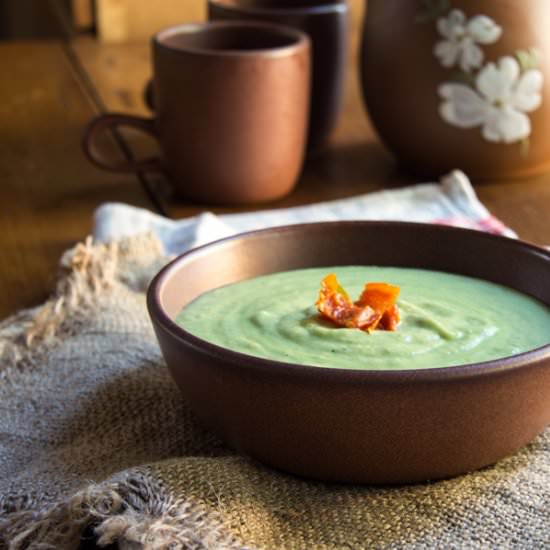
x,y
261,364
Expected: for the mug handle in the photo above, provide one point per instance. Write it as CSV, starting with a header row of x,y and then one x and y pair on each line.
x,y
149,95
112,121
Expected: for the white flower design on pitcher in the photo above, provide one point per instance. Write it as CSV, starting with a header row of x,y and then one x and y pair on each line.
x,y
501,96
461,39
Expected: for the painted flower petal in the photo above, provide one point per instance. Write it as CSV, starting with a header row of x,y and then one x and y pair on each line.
x,y
483,29
490,130
447,52
527,96
496,83
451,25
471,55
462,106
506,125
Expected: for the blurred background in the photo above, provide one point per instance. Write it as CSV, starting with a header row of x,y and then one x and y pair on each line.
x,y
110,20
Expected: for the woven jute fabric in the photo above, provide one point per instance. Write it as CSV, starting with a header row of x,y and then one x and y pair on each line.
x,y
95,438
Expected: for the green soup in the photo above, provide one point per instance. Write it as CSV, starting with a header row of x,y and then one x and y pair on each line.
x,y
445,320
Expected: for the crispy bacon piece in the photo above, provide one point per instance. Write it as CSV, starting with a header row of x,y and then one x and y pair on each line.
x,y
382,298
391,318
376,307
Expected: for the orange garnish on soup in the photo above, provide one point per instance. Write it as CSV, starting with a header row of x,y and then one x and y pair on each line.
x,y
375,308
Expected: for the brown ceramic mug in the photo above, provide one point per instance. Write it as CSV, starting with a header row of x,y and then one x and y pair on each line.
x,y
231,111
326,23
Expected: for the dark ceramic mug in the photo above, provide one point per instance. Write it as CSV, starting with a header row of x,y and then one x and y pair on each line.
x,y
326,23
231,111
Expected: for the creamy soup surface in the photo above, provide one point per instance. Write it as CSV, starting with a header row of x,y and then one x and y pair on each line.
x,y
446,320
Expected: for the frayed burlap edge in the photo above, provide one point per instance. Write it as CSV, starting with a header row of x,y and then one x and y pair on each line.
x,y
85,271
134,512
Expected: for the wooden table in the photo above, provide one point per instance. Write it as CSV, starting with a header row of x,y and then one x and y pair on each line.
x,y
49,190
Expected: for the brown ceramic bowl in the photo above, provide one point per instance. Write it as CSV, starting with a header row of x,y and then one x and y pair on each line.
x,y
358,426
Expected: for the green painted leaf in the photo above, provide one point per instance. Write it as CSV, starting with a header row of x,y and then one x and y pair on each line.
x,y
528,59
463,77
433,9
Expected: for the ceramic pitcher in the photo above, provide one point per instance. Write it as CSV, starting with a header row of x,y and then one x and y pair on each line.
x,y
460,84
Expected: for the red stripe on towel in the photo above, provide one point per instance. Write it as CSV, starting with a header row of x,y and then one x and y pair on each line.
x,y
489,224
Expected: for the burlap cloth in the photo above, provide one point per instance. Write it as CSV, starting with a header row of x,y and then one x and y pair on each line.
x,y
93,433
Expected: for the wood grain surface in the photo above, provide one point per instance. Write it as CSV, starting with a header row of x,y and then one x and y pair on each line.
x,y
49,191
129,20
